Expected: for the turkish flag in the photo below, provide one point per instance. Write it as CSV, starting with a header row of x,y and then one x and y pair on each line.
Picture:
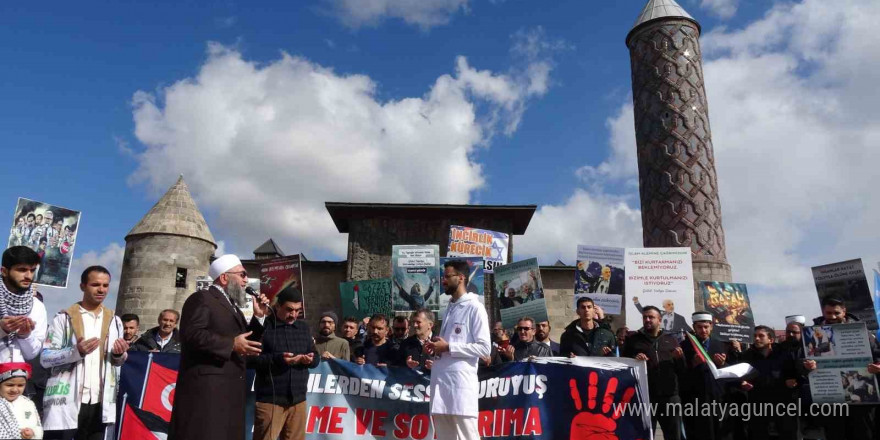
x,y
133,428
159,392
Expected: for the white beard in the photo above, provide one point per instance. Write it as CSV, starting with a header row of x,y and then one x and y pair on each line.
x,y
237,295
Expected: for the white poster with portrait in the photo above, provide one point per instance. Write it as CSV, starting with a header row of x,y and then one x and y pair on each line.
x,y
663,278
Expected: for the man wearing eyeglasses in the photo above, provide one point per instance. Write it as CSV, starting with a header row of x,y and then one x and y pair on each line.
x,y
526,347
215,339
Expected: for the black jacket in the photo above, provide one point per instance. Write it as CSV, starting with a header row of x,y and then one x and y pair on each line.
x,y
412,347
586,342
663,366
277,382
695,379
523,350
355,347
147,342
772,372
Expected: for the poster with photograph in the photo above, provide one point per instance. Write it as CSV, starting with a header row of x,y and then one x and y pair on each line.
x,y
279,273
600,275
366,298
415,277
475,281
842,354
663,278
877,295
472,242
49,230
731,310
520,291
846,280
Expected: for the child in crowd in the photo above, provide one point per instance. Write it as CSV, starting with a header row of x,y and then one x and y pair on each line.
x,y
18,415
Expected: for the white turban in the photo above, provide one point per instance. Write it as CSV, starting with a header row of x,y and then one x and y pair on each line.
x,y
701,316
222,265
800,319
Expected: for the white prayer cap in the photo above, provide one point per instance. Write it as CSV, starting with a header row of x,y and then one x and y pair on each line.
x,y
701,316
222,265
800,319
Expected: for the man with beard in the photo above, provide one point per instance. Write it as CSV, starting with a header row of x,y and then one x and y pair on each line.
x,y
663,356
412,352
161,339
414,298
774,369
859,424
215,338
28,230
585,336
22,319
378,350
463,340
350,333
130,325
283,371
542,335
698,385
326,343
525,347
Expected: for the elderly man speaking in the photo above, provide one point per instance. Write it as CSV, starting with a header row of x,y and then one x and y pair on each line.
x,y
210,395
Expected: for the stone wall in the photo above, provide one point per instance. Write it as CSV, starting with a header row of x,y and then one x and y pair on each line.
x,y
149,269
321,290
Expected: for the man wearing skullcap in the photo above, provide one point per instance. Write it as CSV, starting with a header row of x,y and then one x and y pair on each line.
x,y
215,338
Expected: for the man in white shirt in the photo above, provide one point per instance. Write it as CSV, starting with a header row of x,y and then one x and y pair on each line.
x,y
463,340
22,318
84,352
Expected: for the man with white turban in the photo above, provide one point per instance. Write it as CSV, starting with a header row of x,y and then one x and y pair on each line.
x,y
215,338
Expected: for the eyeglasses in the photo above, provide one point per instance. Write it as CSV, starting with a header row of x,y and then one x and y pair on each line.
x,y
523,329
242,274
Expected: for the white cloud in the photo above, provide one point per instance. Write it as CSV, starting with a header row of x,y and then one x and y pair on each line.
x,y
720,8
265,145
422,13
792,98
110,257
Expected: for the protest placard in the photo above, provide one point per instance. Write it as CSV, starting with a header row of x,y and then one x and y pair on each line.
x,y
847,281
663,278
731,310
366,298
842,354
278,274
520,292
50,231
601,276
472,242
415,277
475,280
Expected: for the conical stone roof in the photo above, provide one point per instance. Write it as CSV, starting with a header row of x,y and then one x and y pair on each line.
x,y
175,213
656,9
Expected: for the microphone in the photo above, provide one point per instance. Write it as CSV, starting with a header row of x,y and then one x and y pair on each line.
x,y
250,291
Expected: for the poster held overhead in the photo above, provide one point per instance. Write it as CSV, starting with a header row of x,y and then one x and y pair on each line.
x,y
415,277
600,275
842,354
520,291
729,305
492,246
846,280
663,278
475,280
278,274
366,298
50,231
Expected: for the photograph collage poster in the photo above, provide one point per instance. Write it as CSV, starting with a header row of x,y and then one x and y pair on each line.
x,y
520,292
601,276
663,278
842,354
846,280
50,231
415,277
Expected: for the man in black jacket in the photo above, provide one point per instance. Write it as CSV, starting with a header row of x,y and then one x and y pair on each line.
x,y
350,326
585,336
698,385
411,352
162,339
664,359
526,346
283,370
774,368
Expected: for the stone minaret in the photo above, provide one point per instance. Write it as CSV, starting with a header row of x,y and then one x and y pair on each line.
x,y
677,179
164,253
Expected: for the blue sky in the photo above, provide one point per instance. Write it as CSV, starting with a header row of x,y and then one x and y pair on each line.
x,y
270,109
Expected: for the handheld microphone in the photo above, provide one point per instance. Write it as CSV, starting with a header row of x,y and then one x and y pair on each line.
x,y
250,291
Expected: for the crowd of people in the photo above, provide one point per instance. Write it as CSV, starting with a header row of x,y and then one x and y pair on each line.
x,y
58,378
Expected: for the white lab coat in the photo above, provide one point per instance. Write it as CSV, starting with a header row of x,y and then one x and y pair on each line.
x,y
454,383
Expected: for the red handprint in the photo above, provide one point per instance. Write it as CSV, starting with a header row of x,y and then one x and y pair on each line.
x,y
597,425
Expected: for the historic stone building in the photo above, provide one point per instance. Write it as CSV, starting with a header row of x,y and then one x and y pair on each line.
x,y
164,254
677,180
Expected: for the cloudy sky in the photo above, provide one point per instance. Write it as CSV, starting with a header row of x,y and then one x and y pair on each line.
x,y
270,110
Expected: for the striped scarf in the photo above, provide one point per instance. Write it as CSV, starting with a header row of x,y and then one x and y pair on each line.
x,y
15,304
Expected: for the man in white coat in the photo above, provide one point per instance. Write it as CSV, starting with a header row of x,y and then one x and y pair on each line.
x,y
22,316
463,340
84,351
